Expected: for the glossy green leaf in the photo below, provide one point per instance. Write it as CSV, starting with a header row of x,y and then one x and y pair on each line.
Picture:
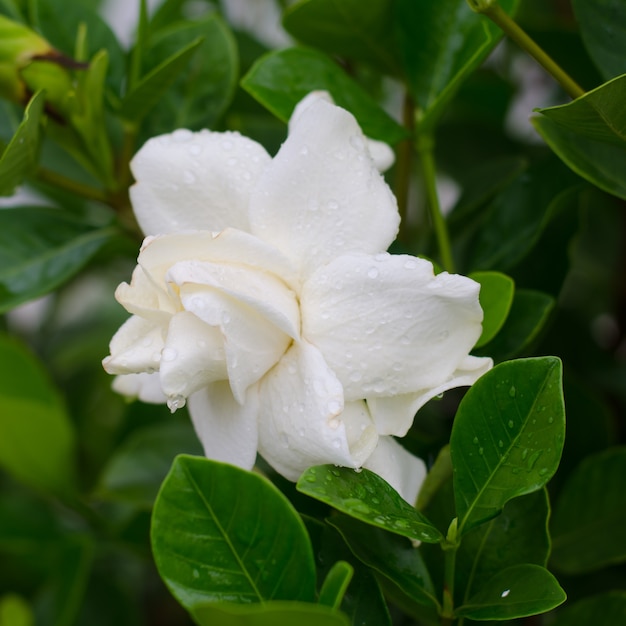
x,y
507,437
268,614
149,90
136,470
605,609
442,43
602,25
514,592
391,556
40,248
367,497
496,296
37,442
279,80
361,31
20,157
335,584
14,611
529,313
588,521
589,135
206,86
221,534
518,535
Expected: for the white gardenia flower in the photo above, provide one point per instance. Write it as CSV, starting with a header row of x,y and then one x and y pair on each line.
x,y
264,298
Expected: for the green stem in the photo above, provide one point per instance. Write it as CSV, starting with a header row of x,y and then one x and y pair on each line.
x,y
62,182
450,547
425,147
404,166
499,17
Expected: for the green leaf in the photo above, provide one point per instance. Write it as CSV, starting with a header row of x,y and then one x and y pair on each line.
x,y
507,437
37,443
588,520
496,296
20,157
362,31
14,611
441,44
606,609
279,80
589,135
602,25
221,534
40,248
136,470
150,89
518,535
391,556
206,86
529,313
268,614
517,591
367,497
335,584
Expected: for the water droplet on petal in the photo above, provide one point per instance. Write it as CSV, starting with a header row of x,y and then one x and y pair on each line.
x,y
181,135
304,151
410,264
372,272
334,407
195,149
169,354
176,402
189,177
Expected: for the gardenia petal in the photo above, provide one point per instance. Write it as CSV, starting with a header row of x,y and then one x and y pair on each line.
x,y
197,181
226,428
145,387
394,415
402,470
300,416
382,155
387,325
322,196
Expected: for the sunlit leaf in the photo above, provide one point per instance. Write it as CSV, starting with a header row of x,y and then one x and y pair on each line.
x,y
40,248
602,25
221,534
517,591
588,521
507,437
589,135
19,159
496,296
366,496
279,80
37,442
268,614
15,611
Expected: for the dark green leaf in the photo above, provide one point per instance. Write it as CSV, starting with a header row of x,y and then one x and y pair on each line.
x,y
529,313
136,470
40,248
607,609
517,591
602,25
335,584
496,296
221,534
441,44
588,521
391,556
589,135
362,31
507,437
367,497
150,89
268,614
518,535
37,442
20,157
206,86
279,80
